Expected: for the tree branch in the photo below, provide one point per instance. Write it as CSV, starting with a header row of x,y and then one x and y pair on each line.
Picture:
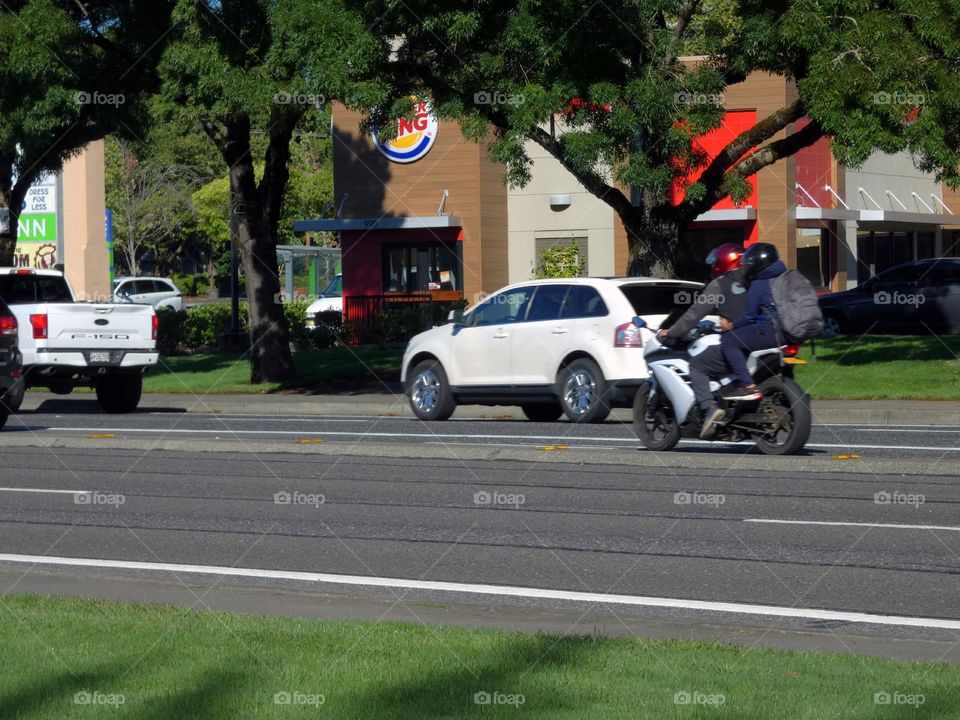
x,y
686,15
715,174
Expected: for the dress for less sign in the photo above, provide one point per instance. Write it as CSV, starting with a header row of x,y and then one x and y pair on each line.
x,y
37,227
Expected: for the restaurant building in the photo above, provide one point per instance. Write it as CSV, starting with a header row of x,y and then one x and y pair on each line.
x,y
429,212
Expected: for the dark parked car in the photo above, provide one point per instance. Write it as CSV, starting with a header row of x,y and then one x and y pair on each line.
x,y
909,298
11,366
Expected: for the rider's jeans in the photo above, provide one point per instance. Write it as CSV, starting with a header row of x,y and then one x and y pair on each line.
x,y
738,344
708,364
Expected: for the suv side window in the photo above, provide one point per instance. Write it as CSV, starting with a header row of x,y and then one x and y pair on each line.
x,y
547,302
505,307
583,301
908,274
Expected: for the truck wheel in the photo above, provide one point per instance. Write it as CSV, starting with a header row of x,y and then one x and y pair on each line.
x,y
119,392
4,416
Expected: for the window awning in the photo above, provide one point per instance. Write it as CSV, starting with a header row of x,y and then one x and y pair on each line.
x,y
425,222
899,216
728,215
820,213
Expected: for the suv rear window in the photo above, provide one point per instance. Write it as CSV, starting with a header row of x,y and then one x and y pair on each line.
x,y
660,299
28,289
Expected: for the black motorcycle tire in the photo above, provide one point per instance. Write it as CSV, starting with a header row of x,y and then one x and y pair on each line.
x,y
798,418
660,431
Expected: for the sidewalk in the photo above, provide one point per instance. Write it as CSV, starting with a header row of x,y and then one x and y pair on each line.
x,y
872,412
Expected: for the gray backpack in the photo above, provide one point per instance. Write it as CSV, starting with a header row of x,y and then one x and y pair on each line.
x,y
798,312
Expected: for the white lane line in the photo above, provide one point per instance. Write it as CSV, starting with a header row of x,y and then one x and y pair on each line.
x,y
904,430
468,436
42,490
502,590
896,526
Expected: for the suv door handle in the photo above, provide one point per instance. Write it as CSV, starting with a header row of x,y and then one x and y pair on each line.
x,y
560,331
500,334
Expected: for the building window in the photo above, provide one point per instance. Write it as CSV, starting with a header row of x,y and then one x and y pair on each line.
x,y
813,255
421,267
879,250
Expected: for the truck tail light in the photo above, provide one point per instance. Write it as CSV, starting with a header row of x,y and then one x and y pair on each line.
x,y
39,325
154,324
8,326
627,336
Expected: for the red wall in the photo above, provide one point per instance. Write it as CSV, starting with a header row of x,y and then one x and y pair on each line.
x,y
814,170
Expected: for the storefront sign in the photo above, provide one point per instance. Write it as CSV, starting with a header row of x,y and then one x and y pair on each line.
x,y
415,136
37,227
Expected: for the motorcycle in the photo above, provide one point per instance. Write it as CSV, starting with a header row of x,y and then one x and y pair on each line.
x,y
665,409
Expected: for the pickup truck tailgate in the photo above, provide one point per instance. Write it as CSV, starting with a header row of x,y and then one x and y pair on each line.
x,y
83,326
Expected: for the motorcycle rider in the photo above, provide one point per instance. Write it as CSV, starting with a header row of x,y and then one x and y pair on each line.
x,y
725,295
756,328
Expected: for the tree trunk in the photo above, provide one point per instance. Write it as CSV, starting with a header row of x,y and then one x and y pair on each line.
x,y
270,357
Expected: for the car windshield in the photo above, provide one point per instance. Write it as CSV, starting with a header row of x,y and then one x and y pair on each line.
x,y
670,299
335,288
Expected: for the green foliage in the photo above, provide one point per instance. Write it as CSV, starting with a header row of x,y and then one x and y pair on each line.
x,y
560,261
196,285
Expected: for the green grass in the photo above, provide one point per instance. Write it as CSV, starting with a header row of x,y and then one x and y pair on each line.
x,y
167,663
318,370
883,367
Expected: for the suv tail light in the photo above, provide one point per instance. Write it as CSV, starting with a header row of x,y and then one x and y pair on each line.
x,y
627,335
154,324
8,326
39,324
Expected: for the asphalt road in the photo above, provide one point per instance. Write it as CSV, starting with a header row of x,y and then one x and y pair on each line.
x,y
690,551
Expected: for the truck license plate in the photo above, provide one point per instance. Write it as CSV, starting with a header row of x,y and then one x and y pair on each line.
x,y
100,357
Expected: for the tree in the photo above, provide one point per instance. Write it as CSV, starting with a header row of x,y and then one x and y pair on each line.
x,y
605,89
240,66
151,202
71,73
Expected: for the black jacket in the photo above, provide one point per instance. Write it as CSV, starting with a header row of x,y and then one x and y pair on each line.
x,y
725,296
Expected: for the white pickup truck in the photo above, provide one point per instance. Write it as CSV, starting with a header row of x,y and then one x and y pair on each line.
x,y
66,344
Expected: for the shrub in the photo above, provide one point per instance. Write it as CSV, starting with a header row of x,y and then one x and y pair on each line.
x,y
195,285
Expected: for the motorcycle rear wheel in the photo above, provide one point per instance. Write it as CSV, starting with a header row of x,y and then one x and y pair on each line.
x,y
653,419
785,401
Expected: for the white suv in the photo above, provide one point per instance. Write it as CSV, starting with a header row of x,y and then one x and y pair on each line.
x,y
159,292
550,346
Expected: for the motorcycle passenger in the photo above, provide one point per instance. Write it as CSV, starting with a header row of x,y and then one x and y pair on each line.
x,y
725,295
756,328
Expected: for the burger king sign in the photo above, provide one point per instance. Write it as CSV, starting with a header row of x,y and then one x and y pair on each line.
x,y
415,136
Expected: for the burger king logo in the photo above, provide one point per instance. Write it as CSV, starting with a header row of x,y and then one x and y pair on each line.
x,y
415,136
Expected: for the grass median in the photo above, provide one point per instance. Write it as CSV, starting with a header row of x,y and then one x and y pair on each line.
x,y
68,658
335,369
873,367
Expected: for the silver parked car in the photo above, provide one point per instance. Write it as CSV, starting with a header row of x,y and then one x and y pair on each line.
x,y
159,292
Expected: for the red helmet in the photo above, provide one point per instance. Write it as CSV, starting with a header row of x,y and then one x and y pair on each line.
x,y
724,258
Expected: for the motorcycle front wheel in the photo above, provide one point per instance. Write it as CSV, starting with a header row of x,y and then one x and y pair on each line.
x,y
653,419
786,408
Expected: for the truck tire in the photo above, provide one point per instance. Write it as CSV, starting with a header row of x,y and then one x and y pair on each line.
x,y
119,392
13,398
4,416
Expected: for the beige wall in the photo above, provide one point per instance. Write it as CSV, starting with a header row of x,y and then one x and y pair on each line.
x,y
531,217
86,261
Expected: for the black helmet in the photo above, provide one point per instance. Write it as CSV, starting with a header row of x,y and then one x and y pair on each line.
x,y
757,258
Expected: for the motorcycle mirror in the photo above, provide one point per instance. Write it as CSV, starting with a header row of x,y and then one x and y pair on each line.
x,y
639,322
